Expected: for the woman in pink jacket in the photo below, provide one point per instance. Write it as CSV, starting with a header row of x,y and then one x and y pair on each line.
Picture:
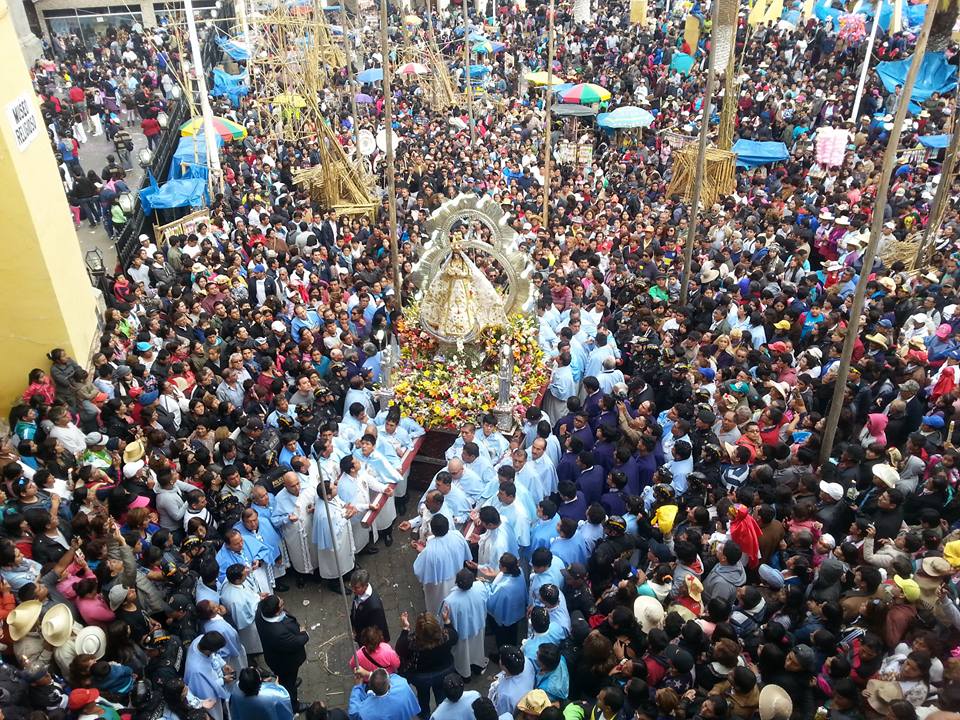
x,y
374,653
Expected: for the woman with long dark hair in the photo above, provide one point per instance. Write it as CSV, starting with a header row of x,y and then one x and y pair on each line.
x,y
426,655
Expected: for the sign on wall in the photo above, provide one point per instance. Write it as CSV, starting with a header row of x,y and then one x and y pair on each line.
x,y
24,120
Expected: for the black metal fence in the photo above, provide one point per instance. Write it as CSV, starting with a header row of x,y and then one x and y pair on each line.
x,y
127,242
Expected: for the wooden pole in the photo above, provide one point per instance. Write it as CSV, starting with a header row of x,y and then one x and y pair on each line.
x,y
693,221
876,227
351,86
468,85
939,206
391,169
940,200
547,120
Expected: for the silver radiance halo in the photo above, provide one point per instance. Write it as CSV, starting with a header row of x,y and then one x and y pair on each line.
x,y
464,210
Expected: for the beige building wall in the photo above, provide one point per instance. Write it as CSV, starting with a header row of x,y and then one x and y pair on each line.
x,y
46,299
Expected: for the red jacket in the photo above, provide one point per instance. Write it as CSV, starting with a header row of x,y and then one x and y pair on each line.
x,y
150,127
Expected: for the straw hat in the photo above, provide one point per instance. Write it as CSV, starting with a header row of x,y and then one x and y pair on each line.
x,y
775,703
878,339
134,451
57,625
23,617
886,474
649,612
91,640
880,693
534,702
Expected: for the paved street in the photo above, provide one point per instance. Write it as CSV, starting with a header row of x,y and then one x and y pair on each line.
x,y
326,675
93,156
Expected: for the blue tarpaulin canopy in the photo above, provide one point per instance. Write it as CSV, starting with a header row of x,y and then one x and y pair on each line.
x,y
751,154
934,142
186,192
912,14
190,158
233,86
236,50
682,62
935,76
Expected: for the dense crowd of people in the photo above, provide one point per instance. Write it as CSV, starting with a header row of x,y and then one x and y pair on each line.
x,y
659,540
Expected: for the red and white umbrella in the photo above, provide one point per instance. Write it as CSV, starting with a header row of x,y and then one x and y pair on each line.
x,y
412,68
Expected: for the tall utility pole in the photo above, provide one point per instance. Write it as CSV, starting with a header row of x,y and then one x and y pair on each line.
x,y
348,54
391,170
854,114
242,17
876,226
547,120
215,175
939,206
468,85
693,222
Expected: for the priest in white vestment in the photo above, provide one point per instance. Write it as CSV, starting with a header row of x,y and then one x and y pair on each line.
x,y
440,558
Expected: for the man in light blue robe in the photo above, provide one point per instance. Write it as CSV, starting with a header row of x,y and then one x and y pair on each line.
x,y
264,542
516,678
240,596
411,427
556,682
456,505
497,539
438,563
507,604
467,603
468,481
272,702
354,423
562,387
544,530
570,550
383,697
458,704
497,446
235,551
513,512
236,655
543,631
543,466
359,394
263,502
597,356
525,476
545,569
468,434
203,671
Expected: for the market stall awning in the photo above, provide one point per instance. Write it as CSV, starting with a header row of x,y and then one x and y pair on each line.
x,y
185,192
751,154
936,75
934,142
236,49
572,109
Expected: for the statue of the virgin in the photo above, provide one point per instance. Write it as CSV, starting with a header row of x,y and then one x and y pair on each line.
x,y
460,301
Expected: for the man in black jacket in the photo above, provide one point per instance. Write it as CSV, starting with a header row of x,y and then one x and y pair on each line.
x,y
367,610
283,640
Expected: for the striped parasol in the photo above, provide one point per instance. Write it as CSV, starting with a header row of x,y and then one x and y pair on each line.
x,y
585,94
227,129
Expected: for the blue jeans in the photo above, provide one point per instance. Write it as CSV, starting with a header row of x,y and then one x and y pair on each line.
x,y
91,208
424,683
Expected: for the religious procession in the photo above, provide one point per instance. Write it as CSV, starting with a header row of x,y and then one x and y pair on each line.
x,y
473,361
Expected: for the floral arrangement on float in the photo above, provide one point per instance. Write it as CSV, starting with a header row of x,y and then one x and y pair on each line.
x,y
441,387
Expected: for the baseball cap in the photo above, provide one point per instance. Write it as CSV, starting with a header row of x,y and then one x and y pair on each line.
x,y
834,490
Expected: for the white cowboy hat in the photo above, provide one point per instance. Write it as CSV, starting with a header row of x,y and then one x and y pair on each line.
x,y
22,618
649,612
57,625
91,640
775,703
